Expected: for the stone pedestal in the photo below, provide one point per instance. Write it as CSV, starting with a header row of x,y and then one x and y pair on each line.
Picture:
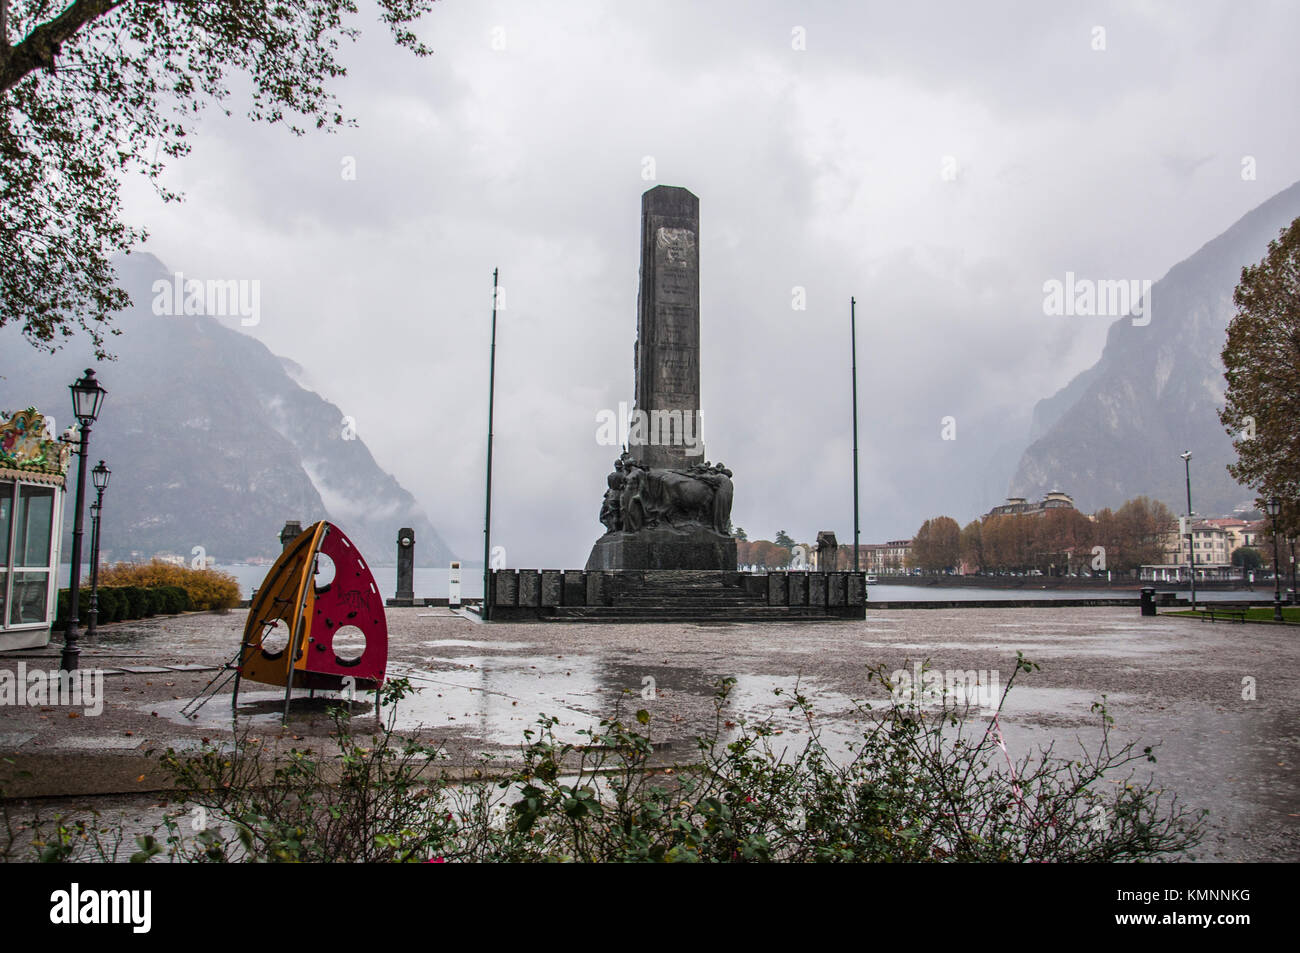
x,y
292,530
828,551
405,567
660,547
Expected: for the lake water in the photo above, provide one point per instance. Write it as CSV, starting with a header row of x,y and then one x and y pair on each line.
x,y
432,584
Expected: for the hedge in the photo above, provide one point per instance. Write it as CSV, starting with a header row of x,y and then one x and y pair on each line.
x,y
119,603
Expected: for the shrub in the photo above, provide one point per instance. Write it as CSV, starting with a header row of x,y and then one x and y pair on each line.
x,y
61,608
176,599
136,601
918,786
112,605
120,603
204,588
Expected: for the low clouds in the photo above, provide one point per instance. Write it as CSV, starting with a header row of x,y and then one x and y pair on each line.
x,y
939,164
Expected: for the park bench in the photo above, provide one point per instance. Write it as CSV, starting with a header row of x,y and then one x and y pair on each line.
x,y
1223,613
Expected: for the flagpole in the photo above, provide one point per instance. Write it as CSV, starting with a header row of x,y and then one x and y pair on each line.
x,y
487,514
853,330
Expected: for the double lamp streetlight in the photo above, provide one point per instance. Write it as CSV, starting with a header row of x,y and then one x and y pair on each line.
x,y
87,397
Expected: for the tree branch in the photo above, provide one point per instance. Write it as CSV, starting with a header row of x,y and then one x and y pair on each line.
x,y
39,48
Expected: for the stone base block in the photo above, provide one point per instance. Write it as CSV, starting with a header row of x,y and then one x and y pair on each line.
x,y
663,548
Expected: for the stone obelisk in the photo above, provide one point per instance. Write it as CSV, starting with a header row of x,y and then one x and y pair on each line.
x,y
664,507
668,331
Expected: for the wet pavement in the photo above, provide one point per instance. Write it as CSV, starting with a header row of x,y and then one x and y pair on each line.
x,y
1168,680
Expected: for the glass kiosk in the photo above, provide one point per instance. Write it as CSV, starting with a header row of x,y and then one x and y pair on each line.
x,y
33,471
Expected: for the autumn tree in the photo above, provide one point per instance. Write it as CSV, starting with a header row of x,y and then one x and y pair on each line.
x,y
762,553
996,542
937,544
1061,536
1262,367
1106,534
1008,541
1143,524
972,545
93,89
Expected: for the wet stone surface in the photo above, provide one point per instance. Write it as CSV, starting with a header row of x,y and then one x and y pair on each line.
x,y
1167,680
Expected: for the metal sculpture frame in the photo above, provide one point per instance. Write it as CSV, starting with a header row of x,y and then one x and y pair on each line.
x,y
314,614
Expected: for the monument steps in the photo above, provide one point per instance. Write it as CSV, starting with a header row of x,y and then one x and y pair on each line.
x,y
675,596
636,614
695,599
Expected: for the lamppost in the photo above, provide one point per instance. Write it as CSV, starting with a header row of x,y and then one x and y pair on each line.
x,y
99,476
1291,541
1273,507
87,396
1191,533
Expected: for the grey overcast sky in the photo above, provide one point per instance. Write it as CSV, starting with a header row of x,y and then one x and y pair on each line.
x,y
522,144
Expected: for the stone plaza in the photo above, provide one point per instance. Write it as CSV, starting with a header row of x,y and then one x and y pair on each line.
x,y
1168,681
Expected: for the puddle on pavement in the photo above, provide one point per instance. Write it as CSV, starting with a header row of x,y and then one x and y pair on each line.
x,y
470,644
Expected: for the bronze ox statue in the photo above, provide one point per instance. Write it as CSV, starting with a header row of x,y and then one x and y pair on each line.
x,y
638,497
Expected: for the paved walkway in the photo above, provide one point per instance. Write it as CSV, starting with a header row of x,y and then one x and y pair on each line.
x,y
1167,679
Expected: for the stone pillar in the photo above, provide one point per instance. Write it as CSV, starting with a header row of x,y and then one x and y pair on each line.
x,y
406,566
828,551
292,530
668,332
662,508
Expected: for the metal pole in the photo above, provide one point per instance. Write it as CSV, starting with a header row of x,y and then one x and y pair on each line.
x,y
1191,532
95,510
1293,592
487,510
1277,577
68,662
853,335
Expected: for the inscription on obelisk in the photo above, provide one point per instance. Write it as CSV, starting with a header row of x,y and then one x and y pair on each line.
x,y
668,331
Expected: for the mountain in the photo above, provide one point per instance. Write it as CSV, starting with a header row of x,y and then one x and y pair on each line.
x,y
1116,430
211,439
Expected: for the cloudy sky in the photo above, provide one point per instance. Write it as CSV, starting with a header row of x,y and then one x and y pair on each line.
x,y
937,161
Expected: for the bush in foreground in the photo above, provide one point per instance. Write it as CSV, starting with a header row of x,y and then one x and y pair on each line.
x,y
919,786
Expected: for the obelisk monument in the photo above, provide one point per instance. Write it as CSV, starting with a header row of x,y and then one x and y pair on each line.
x,y
665,507
667,354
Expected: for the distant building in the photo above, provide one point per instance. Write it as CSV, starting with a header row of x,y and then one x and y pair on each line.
x,y
871,557
1240,532
884,558
1211,554
1020,506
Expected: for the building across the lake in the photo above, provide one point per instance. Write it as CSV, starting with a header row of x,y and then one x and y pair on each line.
x,y
1240,532
886,558
1212,547
1021,506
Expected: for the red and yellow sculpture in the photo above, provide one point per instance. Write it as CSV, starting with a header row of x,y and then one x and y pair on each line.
x,y
295,620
